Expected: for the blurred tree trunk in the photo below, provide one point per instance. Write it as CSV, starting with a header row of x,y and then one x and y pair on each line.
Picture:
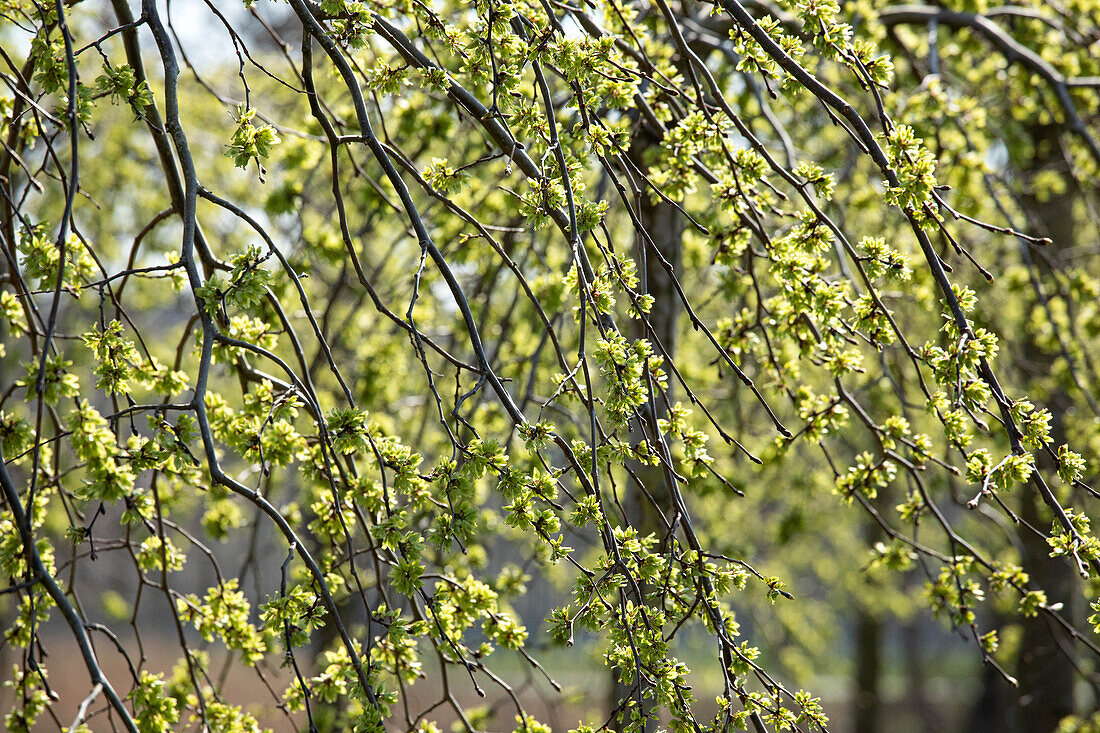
x,y
1045,694
916,673
663,225
867,697
1046,677
868,672
994,710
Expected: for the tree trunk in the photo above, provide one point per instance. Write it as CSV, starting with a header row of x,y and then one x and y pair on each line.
x,y
994,711
663,225
1046,677
867,695
868,671
916,673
